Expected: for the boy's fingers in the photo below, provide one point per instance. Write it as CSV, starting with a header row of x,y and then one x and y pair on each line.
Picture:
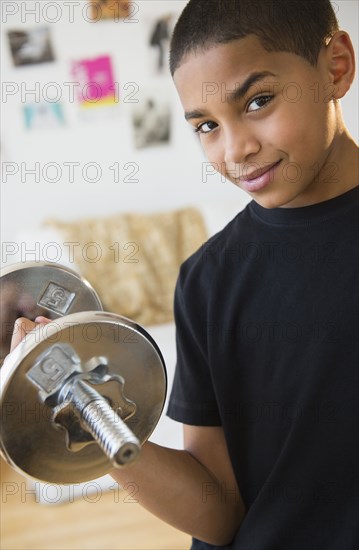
x,y
22,327
42,320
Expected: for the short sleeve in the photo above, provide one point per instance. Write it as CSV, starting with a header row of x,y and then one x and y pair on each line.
x,y
192,400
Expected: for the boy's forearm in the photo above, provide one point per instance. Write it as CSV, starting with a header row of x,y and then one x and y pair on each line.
x,y
178,489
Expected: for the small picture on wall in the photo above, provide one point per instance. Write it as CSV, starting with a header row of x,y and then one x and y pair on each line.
x,y
31,46
159,33
151,120
95,84
44,115
109,9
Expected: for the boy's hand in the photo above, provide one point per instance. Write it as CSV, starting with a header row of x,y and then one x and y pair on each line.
x,y
11,308
22,327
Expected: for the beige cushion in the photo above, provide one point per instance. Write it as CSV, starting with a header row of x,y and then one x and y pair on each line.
x,y
132,260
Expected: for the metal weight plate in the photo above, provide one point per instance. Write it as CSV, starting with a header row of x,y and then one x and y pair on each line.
x,y
30,442
30,289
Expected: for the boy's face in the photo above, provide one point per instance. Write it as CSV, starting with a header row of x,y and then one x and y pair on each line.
x,y
265,120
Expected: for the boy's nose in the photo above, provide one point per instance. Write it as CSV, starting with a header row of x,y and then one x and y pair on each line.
x,y
239,145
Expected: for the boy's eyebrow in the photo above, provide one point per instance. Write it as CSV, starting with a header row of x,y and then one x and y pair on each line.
x,y
240,91
237,93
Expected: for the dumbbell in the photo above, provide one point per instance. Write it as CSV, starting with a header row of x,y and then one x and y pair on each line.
x,y
79,395
30,289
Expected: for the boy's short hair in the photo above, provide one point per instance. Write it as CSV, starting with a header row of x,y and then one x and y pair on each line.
x,y
297,26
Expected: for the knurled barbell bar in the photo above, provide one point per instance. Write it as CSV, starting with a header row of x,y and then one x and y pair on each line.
x,y
79,396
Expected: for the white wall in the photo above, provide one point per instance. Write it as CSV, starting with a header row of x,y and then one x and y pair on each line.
x,y
169,176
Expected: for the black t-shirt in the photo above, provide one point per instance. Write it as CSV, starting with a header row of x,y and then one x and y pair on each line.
x,y
267,342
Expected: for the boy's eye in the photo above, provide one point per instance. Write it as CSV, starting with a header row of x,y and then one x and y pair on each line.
x,y
206,127
259,102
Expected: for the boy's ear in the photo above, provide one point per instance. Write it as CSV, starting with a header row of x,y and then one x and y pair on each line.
x,y
341,63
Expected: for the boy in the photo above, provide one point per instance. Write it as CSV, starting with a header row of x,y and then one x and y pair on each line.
x,y
267,380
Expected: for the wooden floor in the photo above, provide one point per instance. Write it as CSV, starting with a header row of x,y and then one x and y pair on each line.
x,y
109,523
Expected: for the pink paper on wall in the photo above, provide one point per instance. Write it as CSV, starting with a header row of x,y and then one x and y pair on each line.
x,y
95,84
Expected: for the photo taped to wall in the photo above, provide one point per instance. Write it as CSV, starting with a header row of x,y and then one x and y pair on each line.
x,y
29,47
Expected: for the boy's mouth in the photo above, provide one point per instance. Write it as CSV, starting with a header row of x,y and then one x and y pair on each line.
x,y
258,179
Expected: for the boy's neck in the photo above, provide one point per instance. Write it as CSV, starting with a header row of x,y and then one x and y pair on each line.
x,y
344,159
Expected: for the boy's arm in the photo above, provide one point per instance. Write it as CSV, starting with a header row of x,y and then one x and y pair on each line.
x,y
194,490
